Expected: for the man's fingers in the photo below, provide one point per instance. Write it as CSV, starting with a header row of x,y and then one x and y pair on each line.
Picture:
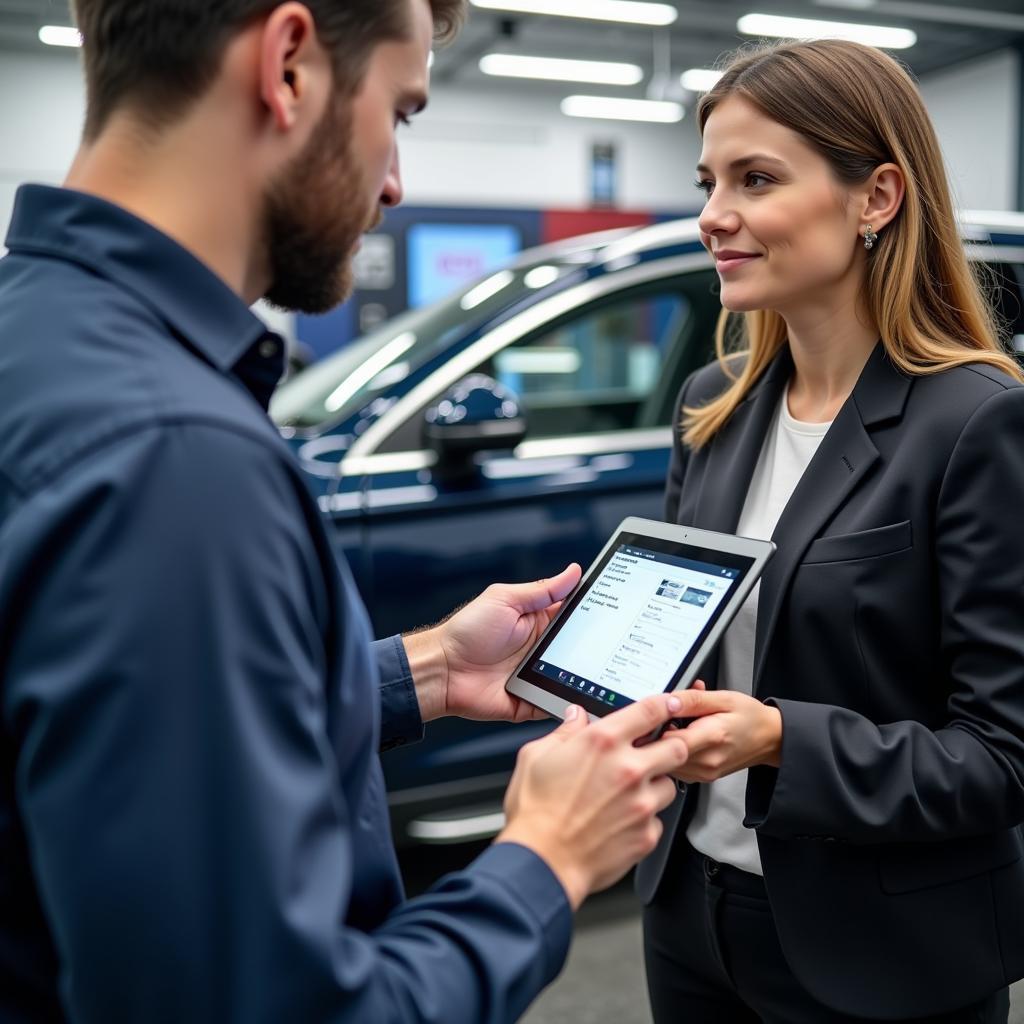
x,y
696,703
561,586
527,712
665,755
642,718
665,791
575,721
535,597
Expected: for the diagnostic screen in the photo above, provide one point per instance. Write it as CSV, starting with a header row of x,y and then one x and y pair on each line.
x,y
632,630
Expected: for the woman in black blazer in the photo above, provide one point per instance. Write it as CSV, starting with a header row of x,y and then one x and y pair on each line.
x,y
847,842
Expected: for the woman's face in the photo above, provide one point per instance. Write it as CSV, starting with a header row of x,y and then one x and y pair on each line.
x,y
783,232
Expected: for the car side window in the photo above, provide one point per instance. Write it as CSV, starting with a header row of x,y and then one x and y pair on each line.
x,y
593,374
613,364
1005,286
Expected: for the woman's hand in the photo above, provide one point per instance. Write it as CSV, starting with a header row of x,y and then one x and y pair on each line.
x,y
730,731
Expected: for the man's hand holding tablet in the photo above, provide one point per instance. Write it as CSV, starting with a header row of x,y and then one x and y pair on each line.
x,y
585,797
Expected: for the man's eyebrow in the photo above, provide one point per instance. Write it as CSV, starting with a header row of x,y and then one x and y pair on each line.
x,y
746,161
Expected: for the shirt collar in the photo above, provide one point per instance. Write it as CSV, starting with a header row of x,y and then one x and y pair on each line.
x,y
194,302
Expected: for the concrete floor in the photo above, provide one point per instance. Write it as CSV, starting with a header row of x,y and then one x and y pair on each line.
x,y
607,948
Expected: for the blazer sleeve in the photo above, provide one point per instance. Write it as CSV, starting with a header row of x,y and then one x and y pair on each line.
x,y
843,776
196,851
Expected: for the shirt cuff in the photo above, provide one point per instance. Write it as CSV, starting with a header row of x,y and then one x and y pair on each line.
x,y
534,885
401,721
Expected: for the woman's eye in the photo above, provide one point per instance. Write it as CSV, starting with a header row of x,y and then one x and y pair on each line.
x,y
402,119
704,186
758,180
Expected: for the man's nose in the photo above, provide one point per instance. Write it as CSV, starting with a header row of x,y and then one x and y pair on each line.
x,y
392,192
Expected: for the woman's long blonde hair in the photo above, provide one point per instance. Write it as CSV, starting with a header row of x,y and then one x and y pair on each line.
x,y
858,108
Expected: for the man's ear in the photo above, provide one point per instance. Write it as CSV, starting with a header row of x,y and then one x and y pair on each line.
x,y
294,71
884,196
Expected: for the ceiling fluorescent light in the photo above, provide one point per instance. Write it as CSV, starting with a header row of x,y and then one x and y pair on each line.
x,y
558,70
60,35
629,12
808,28
613,109
938,13
700,79
852,5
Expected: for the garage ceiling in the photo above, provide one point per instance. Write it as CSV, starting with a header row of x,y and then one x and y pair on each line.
x,y
948,31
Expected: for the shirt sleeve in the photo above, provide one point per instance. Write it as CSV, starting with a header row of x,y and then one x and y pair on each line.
x,y
845,777
401,721
184,807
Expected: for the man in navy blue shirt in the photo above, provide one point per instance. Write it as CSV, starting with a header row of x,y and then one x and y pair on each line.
x,y
192,818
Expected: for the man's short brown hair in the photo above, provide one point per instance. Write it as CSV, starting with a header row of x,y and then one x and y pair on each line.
x,y
158,56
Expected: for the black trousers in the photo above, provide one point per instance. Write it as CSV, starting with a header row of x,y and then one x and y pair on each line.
x,y
713,956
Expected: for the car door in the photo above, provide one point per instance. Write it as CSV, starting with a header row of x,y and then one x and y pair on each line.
x,y
597,385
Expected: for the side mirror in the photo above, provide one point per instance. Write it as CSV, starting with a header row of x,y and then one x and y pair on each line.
x,y
477,414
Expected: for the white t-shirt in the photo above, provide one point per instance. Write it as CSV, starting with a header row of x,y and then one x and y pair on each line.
x,y
717,827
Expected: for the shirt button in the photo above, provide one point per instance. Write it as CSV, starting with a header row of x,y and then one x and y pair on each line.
x,y
268,348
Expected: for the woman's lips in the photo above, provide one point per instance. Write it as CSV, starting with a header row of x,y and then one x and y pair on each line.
x,y
726,261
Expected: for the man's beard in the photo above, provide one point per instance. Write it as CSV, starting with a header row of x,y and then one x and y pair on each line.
x,y
314,215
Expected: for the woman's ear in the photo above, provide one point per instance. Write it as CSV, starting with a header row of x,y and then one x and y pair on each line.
x,y
883,197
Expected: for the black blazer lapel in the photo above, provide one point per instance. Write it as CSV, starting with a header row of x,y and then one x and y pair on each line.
x,y
733,452
844,457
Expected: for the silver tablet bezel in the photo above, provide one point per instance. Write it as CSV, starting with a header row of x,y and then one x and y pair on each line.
x,y
760,551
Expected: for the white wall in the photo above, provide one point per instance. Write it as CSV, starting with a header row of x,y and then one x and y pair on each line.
x,y
487,148
468,150
41,113
481,149
491,149
975,110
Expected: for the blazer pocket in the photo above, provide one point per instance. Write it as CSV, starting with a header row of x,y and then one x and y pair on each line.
x,y
846,547
914,866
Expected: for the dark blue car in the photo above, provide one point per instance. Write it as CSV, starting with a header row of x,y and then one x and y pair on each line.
x,y
503,433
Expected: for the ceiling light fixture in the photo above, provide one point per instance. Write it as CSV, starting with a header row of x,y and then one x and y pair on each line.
x,y
939,13
560,70
629,12
60,35
610,108
700,79
809,28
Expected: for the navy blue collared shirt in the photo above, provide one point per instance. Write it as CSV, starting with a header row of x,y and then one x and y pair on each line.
x,y
192,815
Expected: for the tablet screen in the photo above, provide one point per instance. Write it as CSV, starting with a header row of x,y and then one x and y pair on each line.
x,y
632,629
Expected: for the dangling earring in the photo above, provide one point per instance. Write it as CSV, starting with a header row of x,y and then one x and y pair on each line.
x,y
869,238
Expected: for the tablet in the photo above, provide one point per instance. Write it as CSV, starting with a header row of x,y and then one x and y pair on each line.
x,y
643,619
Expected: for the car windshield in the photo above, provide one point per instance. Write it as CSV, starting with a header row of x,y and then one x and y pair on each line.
x,y
332,389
